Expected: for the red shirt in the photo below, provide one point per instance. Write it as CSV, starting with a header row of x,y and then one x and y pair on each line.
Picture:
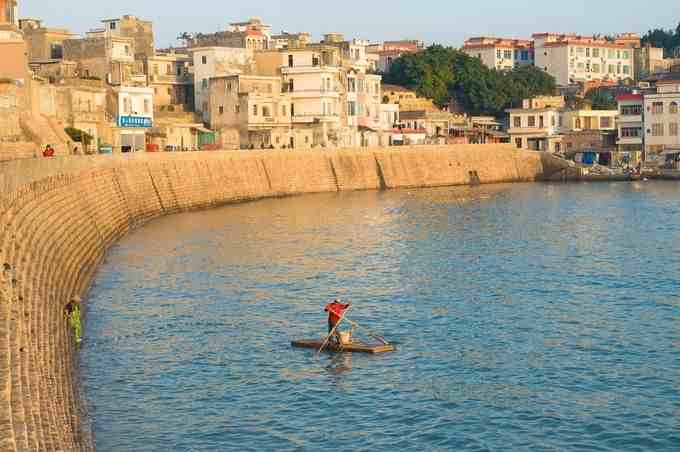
x,y
335,311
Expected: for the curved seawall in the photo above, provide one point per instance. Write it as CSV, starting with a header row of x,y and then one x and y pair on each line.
x,y
59,216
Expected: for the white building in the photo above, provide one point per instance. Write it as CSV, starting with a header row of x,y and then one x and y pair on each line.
x,y
662,119
571,58
631,123
134,117
211,62
500,53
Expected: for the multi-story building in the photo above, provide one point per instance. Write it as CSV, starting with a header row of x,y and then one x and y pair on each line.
x,y
107,58
133,109
141,31
253,35
318,89
661,116
13,63
500,53
168,74
44,44
571,58
649,61
537,125
209,62
81,104
252,112
631,125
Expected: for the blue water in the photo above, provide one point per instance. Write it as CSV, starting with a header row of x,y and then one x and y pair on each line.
x,y
527,317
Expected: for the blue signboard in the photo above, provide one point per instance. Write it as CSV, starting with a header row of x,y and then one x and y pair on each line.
x,y
135,122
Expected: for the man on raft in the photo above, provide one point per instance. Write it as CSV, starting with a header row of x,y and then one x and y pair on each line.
x,y
335,310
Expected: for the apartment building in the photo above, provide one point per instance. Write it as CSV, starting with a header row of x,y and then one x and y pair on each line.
x,y
43,44
631,125
168,74
500,53
537,125
381,56
287,40
661,116
210,62
140,31
108,58
253,112
83,106
571,58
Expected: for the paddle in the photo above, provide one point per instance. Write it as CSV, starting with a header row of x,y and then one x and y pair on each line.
x,y
342,317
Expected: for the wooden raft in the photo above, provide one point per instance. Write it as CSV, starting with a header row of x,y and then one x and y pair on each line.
x,y
354,347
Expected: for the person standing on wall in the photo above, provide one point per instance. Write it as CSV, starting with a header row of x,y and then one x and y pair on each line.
x,y
49,151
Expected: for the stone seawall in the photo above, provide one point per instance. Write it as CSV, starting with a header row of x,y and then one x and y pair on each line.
x,y
59,216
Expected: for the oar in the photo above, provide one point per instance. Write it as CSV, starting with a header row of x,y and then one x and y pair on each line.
x,y
374,336
342,317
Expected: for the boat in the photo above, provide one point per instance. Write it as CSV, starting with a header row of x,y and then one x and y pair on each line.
x,y
352,347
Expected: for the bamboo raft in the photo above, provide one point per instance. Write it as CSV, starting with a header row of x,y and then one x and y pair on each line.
x,y
353,347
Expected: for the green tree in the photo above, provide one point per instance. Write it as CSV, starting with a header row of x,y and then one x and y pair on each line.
x,y
443,74
665,39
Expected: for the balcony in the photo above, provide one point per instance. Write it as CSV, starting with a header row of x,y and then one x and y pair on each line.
x,y
311,118
629,140
315,93
184,79
311,69
630,118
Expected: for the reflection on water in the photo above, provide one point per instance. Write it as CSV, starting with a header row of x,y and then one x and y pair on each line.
x,y
528,317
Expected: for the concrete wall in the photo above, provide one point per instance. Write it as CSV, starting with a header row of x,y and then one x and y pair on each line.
x,y
59,216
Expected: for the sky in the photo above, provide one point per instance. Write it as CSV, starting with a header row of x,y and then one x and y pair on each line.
x,y
446,22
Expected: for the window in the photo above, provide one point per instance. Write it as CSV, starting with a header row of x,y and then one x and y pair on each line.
x,y
229,87
168,69
56,51
673,109
611,69
292,109
204,83
581,66
657,108
611,53
596,53
626,70
204,59
525,55
577,125
237,109
283,111
596,68
631,132
499,53
265,112
541,122
631,110
618,54
517,121
169,91
290,60
127,50
146,106
112,25
532,121
255,110
155,69
673,129
579,50
605,122
552,121
351,108
657,130
626,55
588,52
221,110
507,54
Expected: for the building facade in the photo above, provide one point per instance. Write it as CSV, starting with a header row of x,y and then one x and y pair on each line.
x,y
500,53
572,58
44,44
252,112
134,117
661,116
631,124
210,62
168,74
252,34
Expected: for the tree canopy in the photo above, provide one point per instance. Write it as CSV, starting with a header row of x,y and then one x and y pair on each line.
x,y
443,74
665,39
